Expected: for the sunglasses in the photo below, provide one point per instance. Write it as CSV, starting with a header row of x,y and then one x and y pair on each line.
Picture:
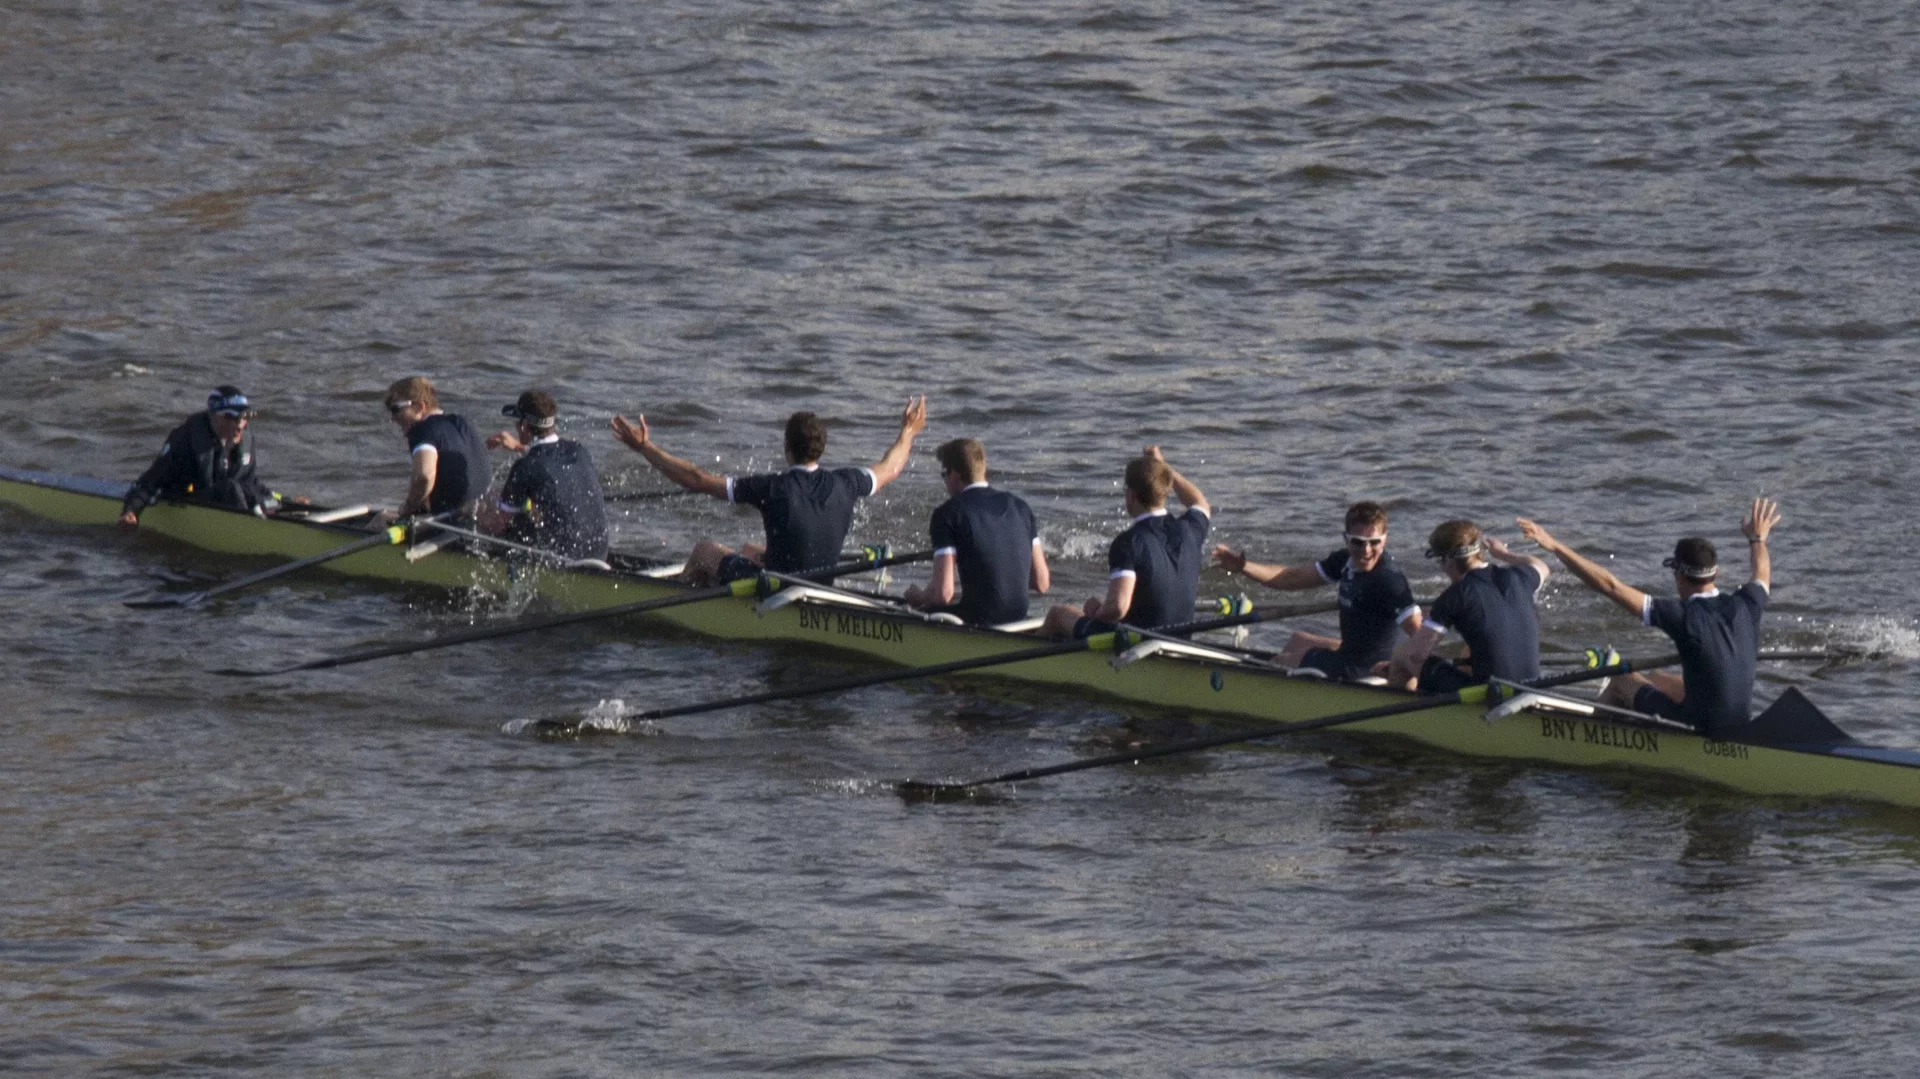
x,y
1364,541
398,407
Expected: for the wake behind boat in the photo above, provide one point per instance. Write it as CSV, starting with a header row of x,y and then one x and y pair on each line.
x,y
1795,752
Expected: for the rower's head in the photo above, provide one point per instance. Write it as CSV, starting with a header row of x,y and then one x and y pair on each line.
x,y
806,438
228,410
1366,535
1148,481
1457,546
534,413
411,400
1695,564
963,462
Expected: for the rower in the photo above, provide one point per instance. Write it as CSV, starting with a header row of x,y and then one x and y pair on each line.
x,y
208,458
1491,606
450,469
807,510
552,498
1374,597
1717,634
1153,568
985,538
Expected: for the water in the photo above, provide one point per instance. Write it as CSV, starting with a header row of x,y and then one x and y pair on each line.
x,y
1617,267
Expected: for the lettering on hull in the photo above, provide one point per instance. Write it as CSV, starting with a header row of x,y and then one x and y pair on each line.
x,y
850,624
1563,729
1729,750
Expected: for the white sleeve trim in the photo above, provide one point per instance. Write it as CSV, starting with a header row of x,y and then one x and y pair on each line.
x,y
1646,609
1435,625
872,480
1411,610
1201,510
507,507
1764,586
1036,541
950,552
427,447
1119,573
729,488
1321,570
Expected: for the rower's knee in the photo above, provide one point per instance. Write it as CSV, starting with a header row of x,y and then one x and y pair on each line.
x,y
703,565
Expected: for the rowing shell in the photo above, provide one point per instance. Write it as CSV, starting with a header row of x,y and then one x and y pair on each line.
x,y
1176,676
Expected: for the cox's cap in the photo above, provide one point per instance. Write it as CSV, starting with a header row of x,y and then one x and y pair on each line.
x,y
535,408
230,401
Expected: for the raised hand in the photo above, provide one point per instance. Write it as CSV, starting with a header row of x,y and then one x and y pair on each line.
x,y
632,432
1761,519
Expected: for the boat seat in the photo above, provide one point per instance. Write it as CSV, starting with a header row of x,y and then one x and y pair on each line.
x,y
1025,625
327,517
946,619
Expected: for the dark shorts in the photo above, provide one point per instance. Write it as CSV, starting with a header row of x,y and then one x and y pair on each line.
x,y
1334,665
1655,703
735,567
1087,627
1439,675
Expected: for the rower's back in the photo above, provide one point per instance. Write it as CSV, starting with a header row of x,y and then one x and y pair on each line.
x,y
1718,637
1492,609
808,511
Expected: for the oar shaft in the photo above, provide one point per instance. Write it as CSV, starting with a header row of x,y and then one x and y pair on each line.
x,y
745,587
1193,745
393,535
861,681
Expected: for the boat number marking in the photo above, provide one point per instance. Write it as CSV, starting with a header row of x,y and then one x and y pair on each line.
x,y
1734,750
1599,734
847,624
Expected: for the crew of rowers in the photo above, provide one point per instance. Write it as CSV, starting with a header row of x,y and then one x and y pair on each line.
x,y
987,554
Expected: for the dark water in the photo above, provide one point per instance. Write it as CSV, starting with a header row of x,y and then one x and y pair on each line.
x,y
1617,266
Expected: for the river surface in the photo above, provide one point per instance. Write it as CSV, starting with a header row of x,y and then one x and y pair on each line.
x,y
1618,266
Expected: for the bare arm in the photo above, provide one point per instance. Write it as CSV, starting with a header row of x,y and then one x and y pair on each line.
x,y
1410,655
894,461
940,591
1183,488
1500,552
1760,521
426,470
685,473
1119,600
1040,577
1593,574
1284,578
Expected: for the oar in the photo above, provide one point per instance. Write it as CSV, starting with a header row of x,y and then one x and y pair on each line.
x,y
1470,694
393,535
744,587
1099,642
1571,658
647,496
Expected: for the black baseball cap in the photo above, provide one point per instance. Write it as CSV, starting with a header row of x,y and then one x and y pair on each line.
x,y
535,408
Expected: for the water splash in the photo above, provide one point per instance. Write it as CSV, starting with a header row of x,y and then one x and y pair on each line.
x,y
609,716
1880,636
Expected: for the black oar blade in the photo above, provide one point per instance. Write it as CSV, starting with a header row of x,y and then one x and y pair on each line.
x,y
189,599
918,791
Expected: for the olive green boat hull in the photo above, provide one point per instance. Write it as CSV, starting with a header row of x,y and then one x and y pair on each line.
x,y
1215,684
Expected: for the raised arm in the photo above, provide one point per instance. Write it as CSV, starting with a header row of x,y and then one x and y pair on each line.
x,y
1594,575
1183,488
894,461
1500,552
685,473
1284,578
1760,521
